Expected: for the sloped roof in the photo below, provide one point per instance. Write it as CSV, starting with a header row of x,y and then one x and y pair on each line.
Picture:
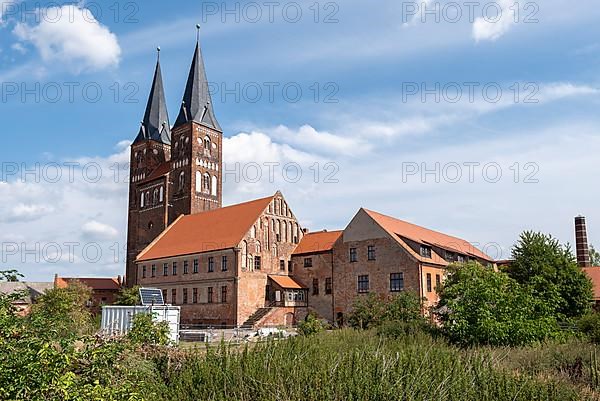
x,y
426,236
316,242
32,290
594,274
212,230
286,282
94,283
155,125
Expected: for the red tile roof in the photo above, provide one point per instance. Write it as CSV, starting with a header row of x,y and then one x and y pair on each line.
x,y
316,242
93,283
213,230
426,236
286,282
594,275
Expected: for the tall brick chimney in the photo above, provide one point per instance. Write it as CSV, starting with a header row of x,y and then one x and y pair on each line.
x,y
581,242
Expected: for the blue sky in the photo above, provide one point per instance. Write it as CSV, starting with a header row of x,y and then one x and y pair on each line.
x,y
369,62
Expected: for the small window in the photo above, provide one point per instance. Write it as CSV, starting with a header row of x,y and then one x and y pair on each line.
x,y
429,289
185,294
282,265
353,255
164,294
195,295
328,286
308,262
144,271
153,270
363,284
426,251
461,259
396,282
224,263
290,266
165,269
210,295
224,294
174,296
195,268
174,268
186,267
371,252
438,282
257,263
450,256
315,286
211,264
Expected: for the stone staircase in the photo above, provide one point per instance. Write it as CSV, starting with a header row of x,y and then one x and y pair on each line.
x,y
256,317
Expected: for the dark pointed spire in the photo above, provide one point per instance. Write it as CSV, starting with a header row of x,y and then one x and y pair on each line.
x,y
197,105
155,125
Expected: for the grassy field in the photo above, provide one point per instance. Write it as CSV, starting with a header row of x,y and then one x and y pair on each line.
x,y
350,365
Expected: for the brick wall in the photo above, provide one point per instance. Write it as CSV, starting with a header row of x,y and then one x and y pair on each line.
x,y
321,270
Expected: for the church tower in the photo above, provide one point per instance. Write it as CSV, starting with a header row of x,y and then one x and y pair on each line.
x,y
197,148
148,181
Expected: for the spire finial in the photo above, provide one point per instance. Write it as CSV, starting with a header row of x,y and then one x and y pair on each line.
x,y
158,53
197,33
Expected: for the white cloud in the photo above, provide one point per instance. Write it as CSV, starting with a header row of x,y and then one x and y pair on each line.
x,y
99,231
18,47
497,20
27,212
74,37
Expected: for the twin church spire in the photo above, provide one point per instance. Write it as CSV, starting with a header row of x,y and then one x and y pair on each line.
x,y
196,105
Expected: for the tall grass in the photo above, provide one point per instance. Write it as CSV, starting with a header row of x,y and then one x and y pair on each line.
x,y
350,365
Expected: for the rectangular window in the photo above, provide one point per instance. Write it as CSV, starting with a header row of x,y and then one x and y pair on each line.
x,y
186,267
353,255
144,271
165,269
438,282
257,263
363,284
307,262
224,294
174,296
164,294
282,265
315,286
396,282
153,270
426,251
224,263
195,295
371,252
195,266
210,295
461,259
185,299
429,282
174,268
211,264
328,286
290,266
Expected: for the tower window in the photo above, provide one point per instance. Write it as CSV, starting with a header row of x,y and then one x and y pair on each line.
x,y
181,180
206,183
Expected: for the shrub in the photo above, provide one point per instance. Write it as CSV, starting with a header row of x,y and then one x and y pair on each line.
x,y
311,325
145,331
373,311
590,326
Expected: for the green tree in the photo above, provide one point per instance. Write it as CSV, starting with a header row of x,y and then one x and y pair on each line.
x,y
550,271
374,310
147,332
311,325
594,257
129,296
481,306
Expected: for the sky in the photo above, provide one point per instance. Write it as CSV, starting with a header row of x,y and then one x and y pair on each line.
x,y
477,119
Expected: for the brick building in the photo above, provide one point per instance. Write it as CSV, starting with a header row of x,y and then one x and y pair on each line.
x,y
104,290
229,266
251,263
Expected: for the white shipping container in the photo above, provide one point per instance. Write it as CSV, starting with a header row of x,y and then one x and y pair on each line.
x,y
118,320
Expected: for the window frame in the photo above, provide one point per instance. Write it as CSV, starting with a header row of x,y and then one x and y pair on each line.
x,y
371,255
328,286
363,284
211,264
397,282
308,262
353,255
224,263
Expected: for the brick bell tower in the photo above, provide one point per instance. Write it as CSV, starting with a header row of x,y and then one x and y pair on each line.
x,y
177,170
197,148
150,151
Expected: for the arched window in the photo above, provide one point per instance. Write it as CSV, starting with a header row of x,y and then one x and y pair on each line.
x,y
161,195
207,145
198,181
155,196
214,186
206,183
181,180
244,254
285,232
147,198
278,228
253,232
274,250
258,247
142,204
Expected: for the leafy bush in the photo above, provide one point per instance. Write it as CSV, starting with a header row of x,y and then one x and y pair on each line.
x,y
128,296
311,325
373,310
481,306
145,331
590,326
